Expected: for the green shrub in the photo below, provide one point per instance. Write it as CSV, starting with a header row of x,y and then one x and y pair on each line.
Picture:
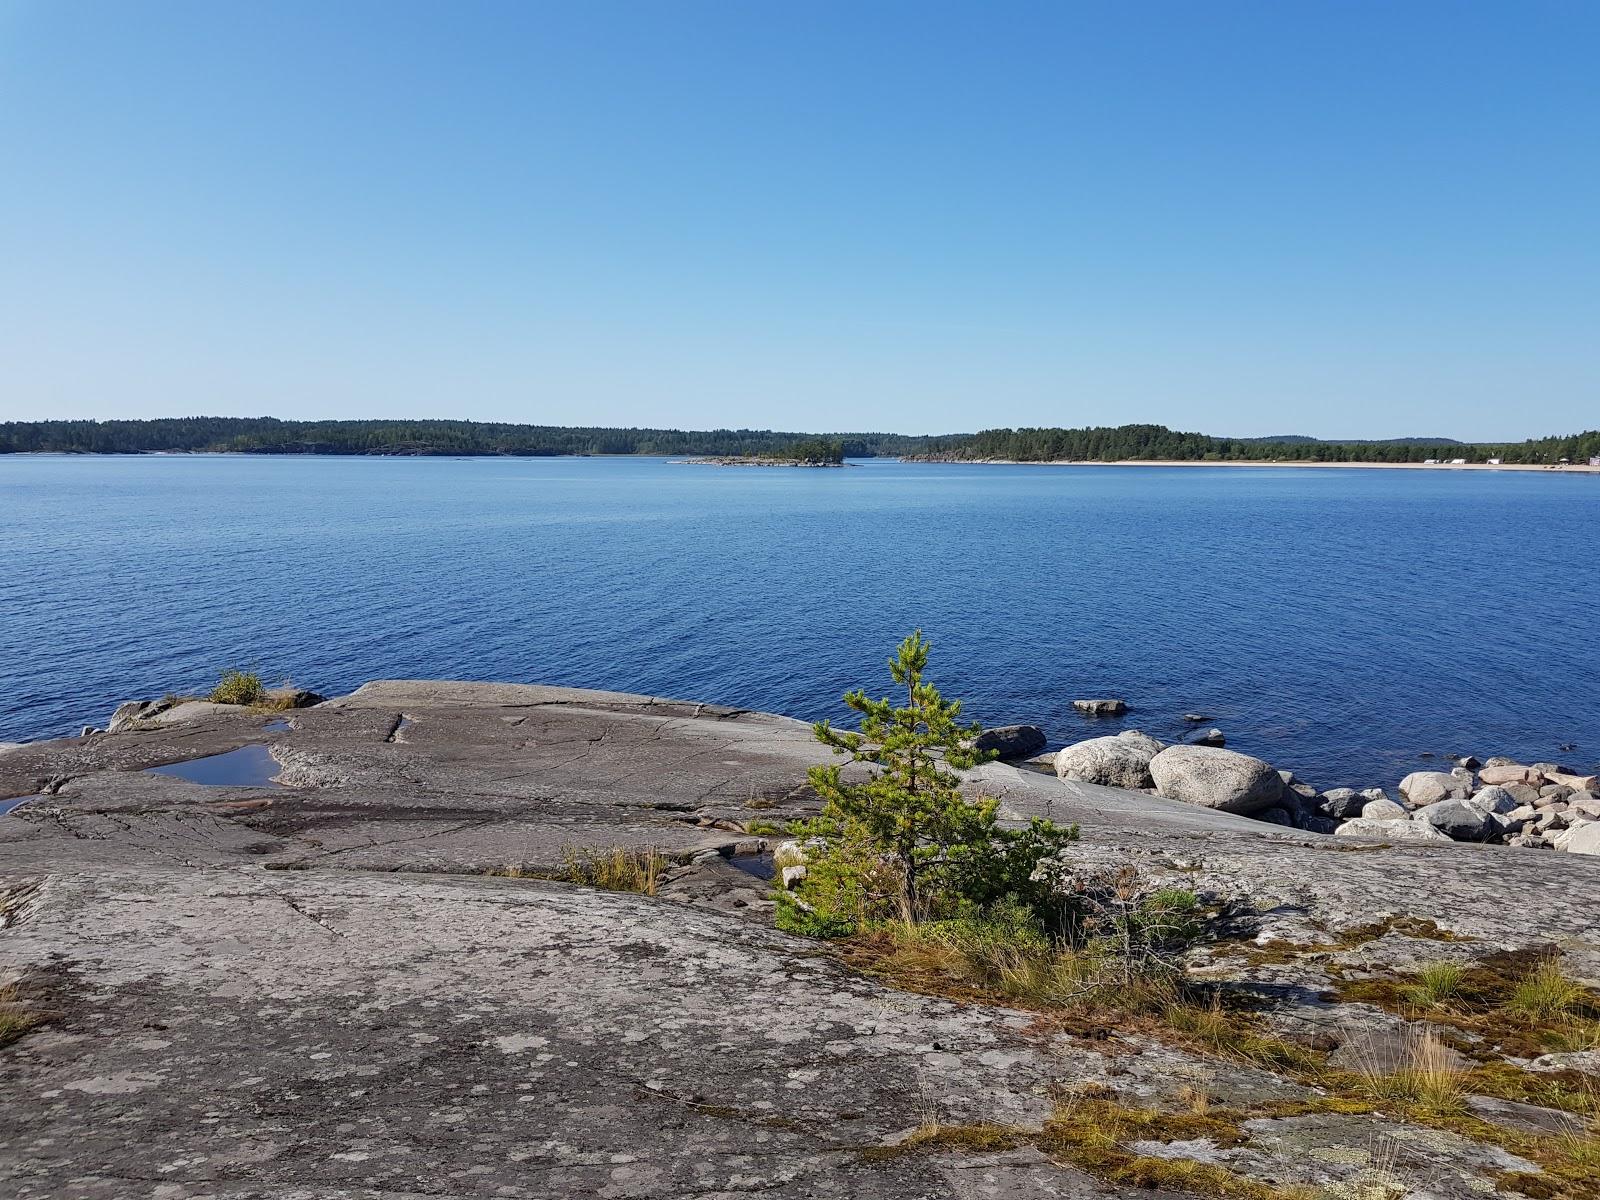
x,y
905,842
238,687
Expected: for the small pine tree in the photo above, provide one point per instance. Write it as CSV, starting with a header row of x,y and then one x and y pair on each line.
x,y
909,813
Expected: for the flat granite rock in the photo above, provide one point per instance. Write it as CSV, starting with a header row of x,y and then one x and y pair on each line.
x,y
310,987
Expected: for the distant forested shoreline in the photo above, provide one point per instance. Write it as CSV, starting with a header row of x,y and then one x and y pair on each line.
x,y
1122,443
268,435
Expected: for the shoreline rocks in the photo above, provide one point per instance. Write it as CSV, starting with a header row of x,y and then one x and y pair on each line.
x,y
1011,741
1212,778
1121,760
1101,708
1506,803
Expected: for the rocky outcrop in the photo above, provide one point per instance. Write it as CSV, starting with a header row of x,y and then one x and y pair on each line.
x,y
1122,761
1209,737
1101,708
316,990
1011,741
1221,779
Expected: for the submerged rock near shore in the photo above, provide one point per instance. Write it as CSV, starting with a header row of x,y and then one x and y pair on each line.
x,y
360,975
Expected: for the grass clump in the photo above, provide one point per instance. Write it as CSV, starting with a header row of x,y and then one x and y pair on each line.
x,y
620,869
238,687
15,1018
1429,1077
1546,994
983,1137
1437,984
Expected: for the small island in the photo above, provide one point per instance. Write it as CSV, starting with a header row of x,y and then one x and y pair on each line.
x,y
815,452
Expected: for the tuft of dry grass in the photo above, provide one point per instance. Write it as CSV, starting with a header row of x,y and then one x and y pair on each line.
x,y
1546,994
15,1018
1429,1076
983,1137
620,869
238,687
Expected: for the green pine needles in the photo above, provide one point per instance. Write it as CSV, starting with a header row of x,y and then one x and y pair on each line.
x,y
901,841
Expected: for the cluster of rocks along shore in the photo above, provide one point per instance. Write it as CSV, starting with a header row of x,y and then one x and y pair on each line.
x,y
1542,806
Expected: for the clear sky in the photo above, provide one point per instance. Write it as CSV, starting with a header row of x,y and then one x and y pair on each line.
x,y
1343,218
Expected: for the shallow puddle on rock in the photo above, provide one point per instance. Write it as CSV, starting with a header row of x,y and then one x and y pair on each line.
x,y
248,766
759,865
277,727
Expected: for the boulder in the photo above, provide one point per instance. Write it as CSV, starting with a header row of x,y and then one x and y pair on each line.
x,y
792,875
1211,737
1011,741
1580,839
1493,800
1500,760
129,713
1509,773
1524,793
1303,795
1550,768
1222,779
1139,738
1196,718
292,697
1394,831
1113,761
1588,809
1343,803
1469,761
1524,812
1554,791
194,710
1578,783
1101,708
1384,810
1429,787
1456,819
1276,816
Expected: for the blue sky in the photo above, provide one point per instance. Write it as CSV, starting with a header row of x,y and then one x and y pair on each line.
x,y
1361,219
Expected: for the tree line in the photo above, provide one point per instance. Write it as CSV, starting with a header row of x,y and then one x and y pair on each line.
x,y
1121,443
268,435
1125,443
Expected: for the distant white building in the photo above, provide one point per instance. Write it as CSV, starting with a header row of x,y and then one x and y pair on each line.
x,y
1494,462
1458,462
1595,461
1430,462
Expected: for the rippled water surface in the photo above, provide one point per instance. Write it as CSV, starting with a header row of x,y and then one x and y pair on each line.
x,y
1337,622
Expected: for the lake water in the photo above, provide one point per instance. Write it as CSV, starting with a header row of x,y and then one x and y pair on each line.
x,y
1336,622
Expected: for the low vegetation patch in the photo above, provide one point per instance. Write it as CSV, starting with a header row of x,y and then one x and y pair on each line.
x,y
1518,1003
238,687
16,1018
616,870
619,869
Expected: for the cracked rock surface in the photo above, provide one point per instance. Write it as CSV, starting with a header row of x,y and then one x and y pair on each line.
x,y
309,988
